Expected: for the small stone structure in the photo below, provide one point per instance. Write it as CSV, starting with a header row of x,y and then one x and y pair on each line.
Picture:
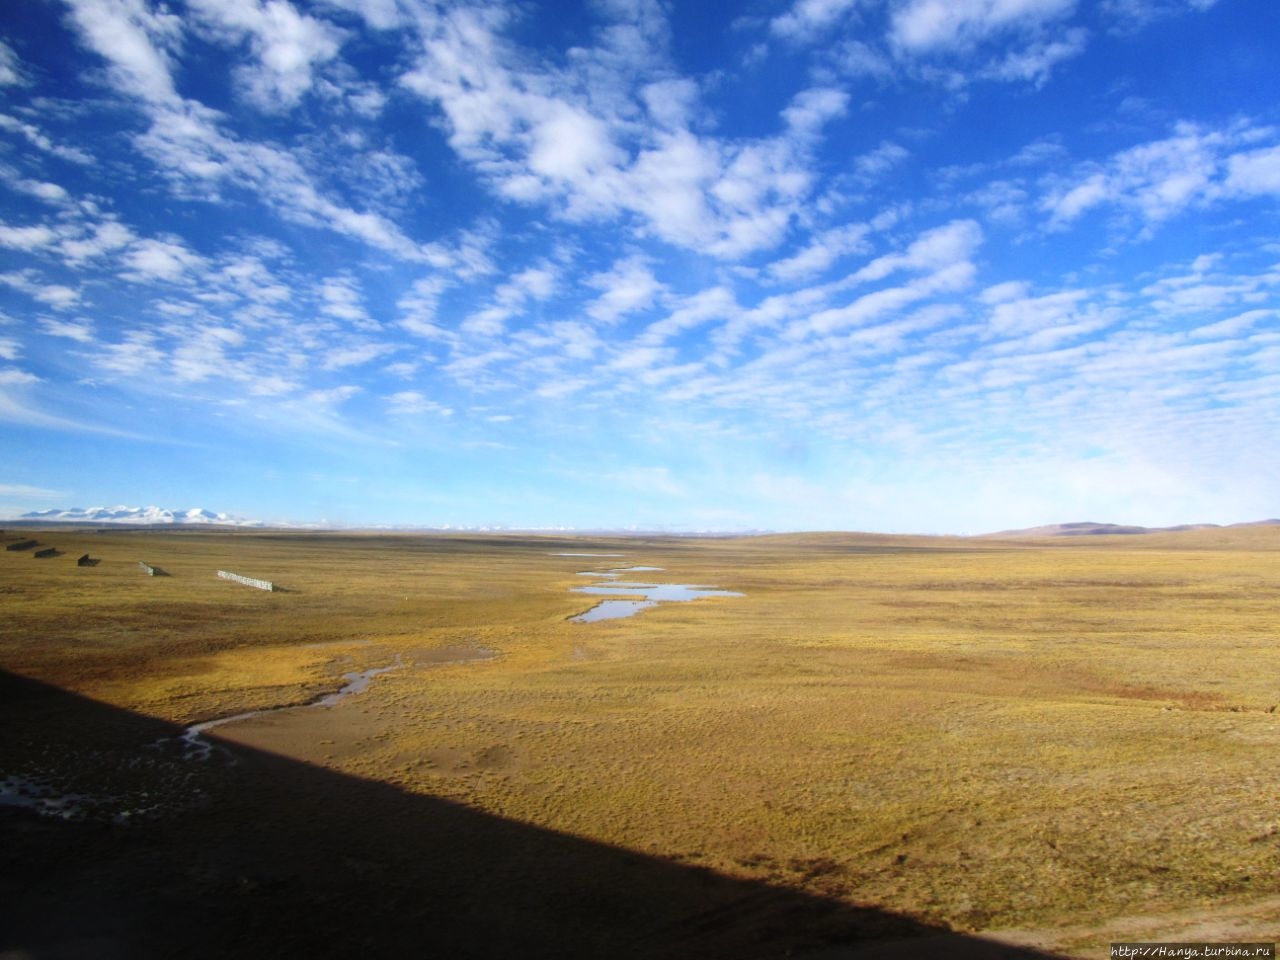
x,y
247,581
85,561
149,569
22,545
47,552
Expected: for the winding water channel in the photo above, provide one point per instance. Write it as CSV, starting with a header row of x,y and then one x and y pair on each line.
x,y
196,747
624,598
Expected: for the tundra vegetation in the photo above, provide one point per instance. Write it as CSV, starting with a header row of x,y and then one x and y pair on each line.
x,y
1056,741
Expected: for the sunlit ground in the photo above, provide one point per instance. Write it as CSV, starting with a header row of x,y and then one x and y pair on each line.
x,y
1060,741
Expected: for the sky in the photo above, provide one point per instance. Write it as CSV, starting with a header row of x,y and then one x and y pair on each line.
x,y
915,266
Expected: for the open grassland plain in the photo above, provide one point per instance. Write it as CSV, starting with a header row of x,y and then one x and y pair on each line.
x,y
1055,743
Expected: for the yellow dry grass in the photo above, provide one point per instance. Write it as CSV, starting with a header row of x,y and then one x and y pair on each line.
x,y
994,734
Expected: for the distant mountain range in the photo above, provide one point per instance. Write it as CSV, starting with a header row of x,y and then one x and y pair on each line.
x,y
137,515
1090,529
197,516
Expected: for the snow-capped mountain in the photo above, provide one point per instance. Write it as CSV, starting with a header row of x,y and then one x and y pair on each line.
x,y
143,515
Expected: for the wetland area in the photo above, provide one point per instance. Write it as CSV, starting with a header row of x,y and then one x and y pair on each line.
x,y
826,745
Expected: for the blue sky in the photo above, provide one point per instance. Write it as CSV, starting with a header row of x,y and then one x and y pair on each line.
x,y
903,265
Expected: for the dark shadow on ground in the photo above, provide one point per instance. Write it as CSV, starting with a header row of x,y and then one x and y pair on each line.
x,y
269,857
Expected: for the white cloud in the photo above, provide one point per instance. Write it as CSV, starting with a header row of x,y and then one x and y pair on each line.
x,y
341,299
404,369
807,19
488,323
41,141
288,46
1233,326
1004,292
13,377
635,358
26,238
811,109
569,145
932,250
167,259
355,355
570,339
560,388
247,276
56,295
823,250
379,14
1030,314
1207,287
1004,202
672,102
133,356
873,165
537,283
946,278
1036,325
200,354
272,385
1159,180
1040,152
1254,172
50,193
567,137
191,149
715,303
857,58
413,403
509,300
1066,204
185,138
11,72
333,397
137,40
933,25
79,330
25,491
419,305
1131,15
1035,62
96,241
628,287
950,43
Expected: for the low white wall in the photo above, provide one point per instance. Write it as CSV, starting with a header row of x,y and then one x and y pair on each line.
x,y
247,581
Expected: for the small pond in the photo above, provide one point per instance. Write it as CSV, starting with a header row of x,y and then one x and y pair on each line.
x,y
631,598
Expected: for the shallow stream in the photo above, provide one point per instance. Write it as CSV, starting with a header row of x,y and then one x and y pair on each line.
x,y
196,747
161,763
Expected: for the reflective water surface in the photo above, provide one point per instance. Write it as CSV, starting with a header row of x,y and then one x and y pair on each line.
x,y
634,597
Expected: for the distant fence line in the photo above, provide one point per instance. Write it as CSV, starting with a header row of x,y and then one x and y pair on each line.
x,y
247,581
